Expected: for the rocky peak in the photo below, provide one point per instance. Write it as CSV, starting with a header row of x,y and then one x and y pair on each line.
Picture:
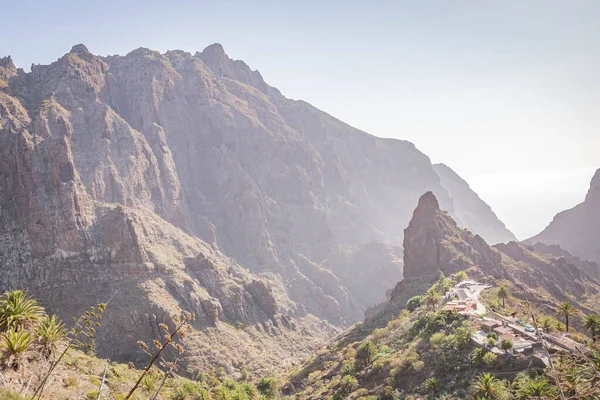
x,y
7,69
434,242
218,61
577,230
80,49
594,192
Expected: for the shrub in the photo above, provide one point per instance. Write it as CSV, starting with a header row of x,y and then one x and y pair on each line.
x,y
91,394
50,331
489,358
348,384
18,309
491,342
267,387
15,345
414,302
492,335
365,353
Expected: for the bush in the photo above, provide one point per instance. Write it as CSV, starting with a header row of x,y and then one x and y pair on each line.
x,y
489,359
348,384
267,387
91,394
414,302
365,353
492,335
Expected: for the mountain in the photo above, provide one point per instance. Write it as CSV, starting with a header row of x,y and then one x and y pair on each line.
x,y
577,230
427,351
169,182
434,243
470,210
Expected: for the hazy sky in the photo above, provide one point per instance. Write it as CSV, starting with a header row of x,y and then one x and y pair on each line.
x,y
505,92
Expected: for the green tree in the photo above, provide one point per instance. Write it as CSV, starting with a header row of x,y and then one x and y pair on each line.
x,y
503,294
537,387
348,384
431,385
547,324
365,353
18,309
567,310
432,298
461,276
506,345
267,386
488,387
489,359
592,323
414,302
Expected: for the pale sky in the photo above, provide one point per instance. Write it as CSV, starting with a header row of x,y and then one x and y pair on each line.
x,y
505,92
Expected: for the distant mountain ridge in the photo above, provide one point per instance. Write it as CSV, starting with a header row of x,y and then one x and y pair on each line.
x,y
577,230
184,181
470,211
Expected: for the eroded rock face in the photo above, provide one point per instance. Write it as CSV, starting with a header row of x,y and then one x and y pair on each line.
x,y
577,230
433,242
150,178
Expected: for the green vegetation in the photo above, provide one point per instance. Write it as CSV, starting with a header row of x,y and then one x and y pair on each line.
x,y
503,294
567,310
592,323
414,302
487,386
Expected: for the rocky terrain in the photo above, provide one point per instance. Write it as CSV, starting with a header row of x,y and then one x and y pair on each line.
x,y
168,182
577,230
409,347
434,243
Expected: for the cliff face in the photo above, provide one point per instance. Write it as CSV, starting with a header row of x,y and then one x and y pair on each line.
x,y
472,212
173,182
577,230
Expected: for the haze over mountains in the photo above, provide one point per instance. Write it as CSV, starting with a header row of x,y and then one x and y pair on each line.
x,y
161,179
577,230
169,182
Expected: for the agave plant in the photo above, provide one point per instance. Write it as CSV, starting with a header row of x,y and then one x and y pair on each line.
x,y
50,331
15,344
18,309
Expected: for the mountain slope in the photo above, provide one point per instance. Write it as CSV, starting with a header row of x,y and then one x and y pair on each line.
x,y
123,174
577,230
434,242
472,212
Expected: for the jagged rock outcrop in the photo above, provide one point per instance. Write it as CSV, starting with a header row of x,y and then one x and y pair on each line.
x,y
469,210
577,230
433,242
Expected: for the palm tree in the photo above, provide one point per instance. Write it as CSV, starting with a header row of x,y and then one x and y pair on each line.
x,y
366,352
592,322
567,309
432,385
432,298
547,324
15,345
537,387
503,294
487,386
18,309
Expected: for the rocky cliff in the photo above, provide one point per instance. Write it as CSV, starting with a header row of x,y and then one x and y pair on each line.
x,y
171,182
469,210
434,243
577,230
